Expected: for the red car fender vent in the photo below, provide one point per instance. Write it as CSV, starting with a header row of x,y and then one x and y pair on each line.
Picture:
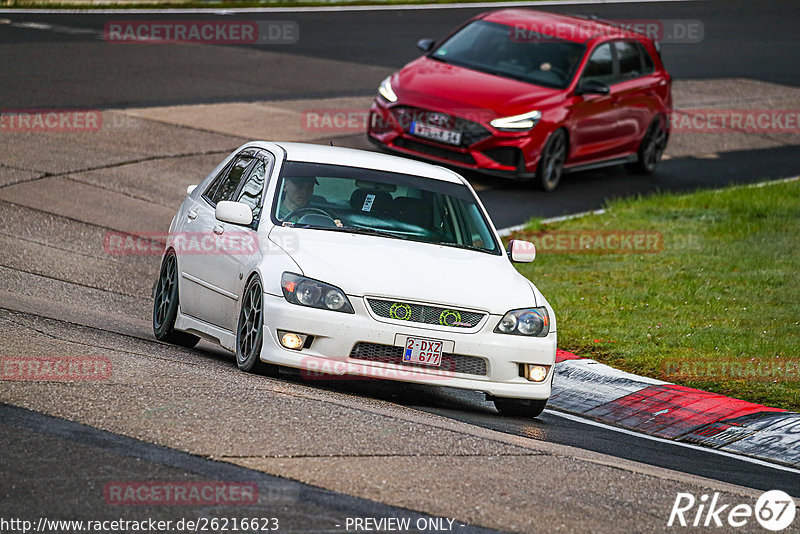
x,y
507,155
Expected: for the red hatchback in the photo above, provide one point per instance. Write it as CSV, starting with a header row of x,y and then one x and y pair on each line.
x,y
530,95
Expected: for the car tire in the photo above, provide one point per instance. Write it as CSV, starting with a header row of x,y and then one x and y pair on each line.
x,y
165,305
520,407
650,149
250,331
551,162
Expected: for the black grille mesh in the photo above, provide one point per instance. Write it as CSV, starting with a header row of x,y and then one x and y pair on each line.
x,y
420,313
422,148
457,363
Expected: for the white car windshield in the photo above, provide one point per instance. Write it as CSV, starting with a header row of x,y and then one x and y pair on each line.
x,y
350,199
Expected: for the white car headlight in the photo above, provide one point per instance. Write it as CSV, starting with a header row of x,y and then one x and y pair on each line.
x,y
525,322
309,292
517,123
385,90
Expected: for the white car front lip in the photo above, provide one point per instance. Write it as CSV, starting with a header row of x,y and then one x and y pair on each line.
x,y
335,335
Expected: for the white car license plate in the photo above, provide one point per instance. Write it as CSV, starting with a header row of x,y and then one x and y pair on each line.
x,y
437,134
423,350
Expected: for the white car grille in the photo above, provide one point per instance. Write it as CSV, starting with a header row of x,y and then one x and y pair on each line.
x,y
425,314
456,363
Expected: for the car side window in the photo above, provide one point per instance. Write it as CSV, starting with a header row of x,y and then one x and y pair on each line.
x,y
647,62
253,187
226,183
600,67
630,62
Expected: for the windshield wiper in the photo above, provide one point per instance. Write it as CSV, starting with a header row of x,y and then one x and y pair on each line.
x,y
372,231
461,245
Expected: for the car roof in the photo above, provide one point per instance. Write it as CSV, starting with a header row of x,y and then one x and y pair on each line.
x,y
564,27
350,157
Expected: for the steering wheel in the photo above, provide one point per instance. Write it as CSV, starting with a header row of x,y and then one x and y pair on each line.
x,y
559,72
537,72
308,209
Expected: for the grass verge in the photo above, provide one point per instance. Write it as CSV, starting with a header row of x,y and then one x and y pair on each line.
x,y
715,306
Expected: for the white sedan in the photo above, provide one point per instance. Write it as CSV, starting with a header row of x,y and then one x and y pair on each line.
x,y
344,262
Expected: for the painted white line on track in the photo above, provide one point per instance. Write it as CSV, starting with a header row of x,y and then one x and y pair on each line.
x,y
506,231
770,182
231,11
604,426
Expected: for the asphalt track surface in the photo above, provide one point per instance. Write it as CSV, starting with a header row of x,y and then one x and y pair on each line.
x,y
68,65
88,457
471,407
75,70
741,39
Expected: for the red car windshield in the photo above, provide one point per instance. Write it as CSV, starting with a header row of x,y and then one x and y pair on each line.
x,y
512,53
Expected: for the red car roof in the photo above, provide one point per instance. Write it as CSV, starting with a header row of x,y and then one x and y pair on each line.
x,y
564,27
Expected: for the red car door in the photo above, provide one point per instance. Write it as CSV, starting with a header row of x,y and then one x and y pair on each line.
x,y
595,118
635,95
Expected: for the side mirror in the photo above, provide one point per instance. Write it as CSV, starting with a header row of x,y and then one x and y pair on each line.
x,y
233,212
592,87
190,189
426,45
521,251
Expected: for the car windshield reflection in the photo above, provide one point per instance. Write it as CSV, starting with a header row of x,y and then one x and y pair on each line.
x,y
511,53
364,201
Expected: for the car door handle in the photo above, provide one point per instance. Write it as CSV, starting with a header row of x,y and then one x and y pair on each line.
x,y
192,214
218,229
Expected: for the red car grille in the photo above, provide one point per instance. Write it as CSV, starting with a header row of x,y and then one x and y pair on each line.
x,y
422,148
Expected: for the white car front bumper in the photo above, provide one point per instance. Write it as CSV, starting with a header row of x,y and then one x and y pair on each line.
x,y
480,360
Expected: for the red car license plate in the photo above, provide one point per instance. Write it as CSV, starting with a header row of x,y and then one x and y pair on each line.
x,y
437,134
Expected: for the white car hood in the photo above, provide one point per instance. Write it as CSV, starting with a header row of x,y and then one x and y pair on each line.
x,y
378,266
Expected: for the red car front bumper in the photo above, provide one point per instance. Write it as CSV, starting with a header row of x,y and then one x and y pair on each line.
x,y
482,148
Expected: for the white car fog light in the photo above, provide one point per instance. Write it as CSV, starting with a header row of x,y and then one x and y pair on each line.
x,y
536,373
292,341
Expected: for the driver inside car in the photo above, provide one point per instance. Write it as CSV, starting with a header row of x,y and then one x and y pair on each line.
x,y
297,192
